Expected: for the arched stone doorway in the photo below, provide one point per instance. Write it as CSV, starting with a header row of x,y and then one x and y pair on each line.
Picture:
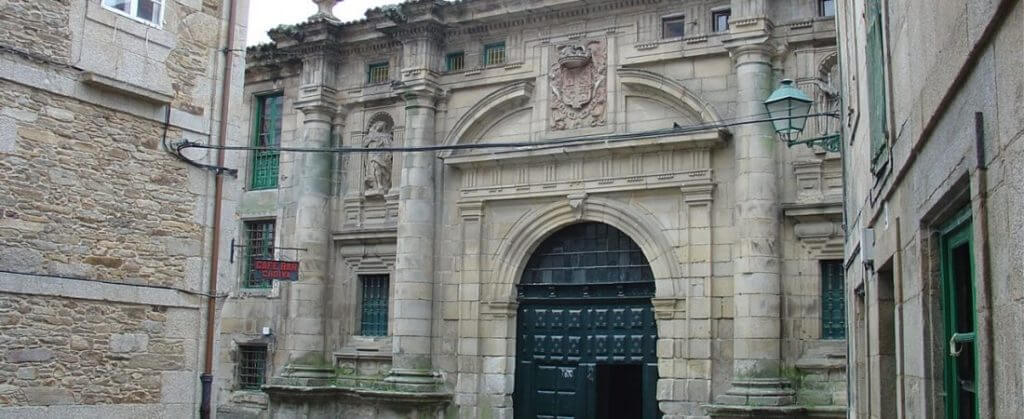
x,y
586,334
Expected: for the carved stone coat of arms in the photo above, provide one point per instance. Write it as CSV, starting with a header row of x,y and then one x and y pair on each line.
x,y
578,86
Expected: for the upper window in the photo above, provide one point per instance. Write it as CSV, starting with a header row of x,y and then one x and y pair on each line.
x,y
377,73
720,20
455,61
826,8
877,102
673,27
267,131
494,54
149,11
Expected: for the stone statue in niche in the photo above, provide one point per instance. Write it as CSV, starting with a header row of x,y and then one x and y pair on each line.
x,y
378,164
578,86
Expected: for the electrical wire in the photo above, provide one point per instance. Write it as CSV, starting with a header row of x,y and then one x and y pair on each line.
x,y
518,146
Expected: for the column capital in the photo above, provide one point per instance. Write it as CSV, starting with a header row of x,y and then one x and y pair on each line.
x,y
751,51
317,110
423,94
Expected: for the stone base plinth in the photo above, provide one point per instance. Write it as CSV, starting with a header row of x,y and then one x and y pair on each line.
x,y
287,401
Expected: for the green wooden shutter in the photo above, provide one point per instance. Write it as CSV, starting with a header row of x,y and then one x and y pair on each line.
x,y
266,163
833,300
375,305
876,81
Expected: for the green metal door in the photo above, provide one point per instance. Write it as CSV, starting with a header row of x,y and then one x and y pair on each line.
x,y
585,327
957,263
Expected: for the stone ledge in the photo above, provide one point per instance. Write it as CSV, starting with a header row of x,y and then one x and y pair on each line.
x,y
98,291
407,397
106,83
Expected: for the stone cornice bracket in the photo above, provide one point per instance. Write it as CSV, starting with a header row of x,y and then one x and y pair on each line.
x,y
698,193
471,210
577,201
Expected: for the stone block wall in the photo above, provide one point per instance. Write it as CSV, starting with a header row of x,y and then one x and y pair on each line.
x,y
54,40
67,351
88,192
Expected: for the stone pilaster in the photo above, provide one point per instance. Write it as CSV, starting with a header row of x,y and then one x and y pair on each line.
x,y
305,335
414,270
469,380
757,284
697,201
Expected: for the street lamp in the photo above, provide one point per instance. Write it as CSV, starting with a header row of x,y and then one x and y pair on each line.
x,y
788,108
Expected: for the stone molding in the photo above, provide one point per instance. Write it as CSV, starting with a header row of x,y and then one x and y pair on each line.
x,y
353,247
516,93
517,244
96,291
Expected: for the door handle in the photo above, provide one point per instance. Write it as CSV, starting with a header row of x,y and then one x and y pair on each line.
x,y
954,351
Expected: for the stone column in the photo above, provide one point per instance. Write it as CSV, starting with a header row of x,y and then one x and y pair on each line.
x,y
757,324
311,192
414,268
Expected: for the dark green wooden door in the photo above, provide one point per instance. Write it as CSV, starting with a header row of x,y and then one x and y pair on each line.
x,y
586,334
957,263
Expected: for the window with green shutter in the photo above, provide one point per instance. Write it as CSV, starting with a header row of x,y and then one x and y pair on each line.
x,y
267,130
833,300
875,56
259,245
374,305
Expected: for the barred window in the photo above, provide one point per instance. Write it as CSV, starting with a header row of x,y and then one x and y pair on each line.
x,y
267,130
455,61
673,27
833,300
375,305
377,73
252,364
494,54
259,245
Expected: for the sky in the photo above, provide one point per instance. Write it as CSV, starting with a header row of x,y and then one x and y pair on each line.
x,y
266,14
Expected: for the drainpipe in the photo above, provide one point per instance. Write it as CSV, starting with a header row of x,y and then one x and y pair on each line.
x,y
985,271
222,130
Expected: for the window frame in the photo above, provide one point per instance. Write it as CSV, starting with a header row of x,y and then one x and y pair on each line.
x,y
372,326
827,283
821,8
666,20
957,232
133,6
448,61
714,20
257,132
268,246
378,65
487,54
260,372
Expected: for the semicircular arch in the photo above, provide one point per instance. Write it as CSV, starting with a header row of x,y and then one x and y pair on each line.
x,y
670,92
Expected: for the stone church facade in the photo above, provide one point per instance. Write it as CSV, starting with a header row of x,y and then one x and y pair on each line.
x,y
603,222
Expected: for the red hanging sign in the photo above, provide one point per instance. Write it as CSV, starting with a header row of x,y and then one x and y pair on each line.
x,y
275,270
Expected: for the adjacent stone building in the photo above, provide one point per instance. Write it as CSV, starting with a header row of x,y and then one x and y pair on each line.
x,y
577,254
104,235
932,95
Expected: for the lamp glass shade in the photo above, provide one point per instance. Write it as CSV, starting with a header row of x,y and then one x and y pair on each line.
x,y
788,107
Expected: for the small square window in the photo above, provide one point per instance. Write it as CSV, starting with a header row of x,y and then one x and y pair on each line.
x,y
259,245
252,366
455,61
720,20
494,54
376,291
377,73
673,27
149,11
827,8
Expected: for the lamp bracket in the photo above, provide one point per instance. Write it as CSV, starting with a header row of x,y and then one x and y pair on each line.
x,y
828,142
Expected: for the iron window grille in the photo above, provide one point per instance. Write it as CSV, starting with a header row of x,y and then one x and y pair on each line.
x,y
378,73
494,54
266,163
673,27
375,305
833,300
827,8
455,61
252,364
720,20
259,245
